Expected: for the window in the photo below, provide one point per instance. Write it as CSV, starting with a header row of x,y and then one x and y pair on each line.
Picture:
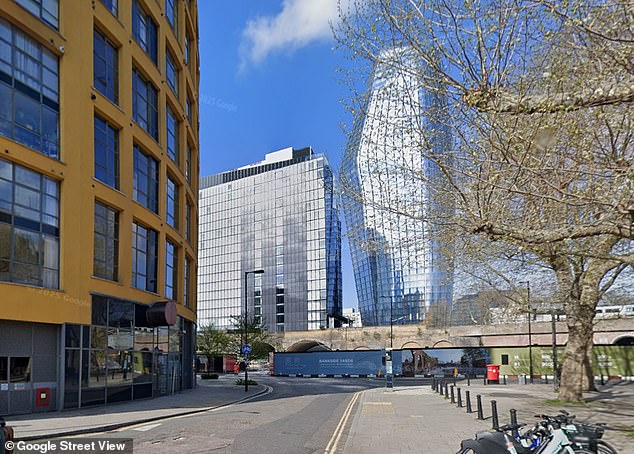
x,y
505,360
188,164
144,30
106,153
47,10
112,6
145,180
29,90
106,242
4,369
171,210
20,369
187,282
172,135
105,67
144,257
188,221
171,73
188,110
144,104
29,227
187,50
171,12
171,270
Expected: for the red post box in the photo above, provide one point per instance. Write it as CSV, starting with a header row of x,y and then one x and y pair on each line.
x,y
42,397
493,373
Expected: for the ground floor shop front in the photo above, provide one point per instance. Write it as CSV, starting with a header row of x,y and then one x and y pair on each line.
x,y
118,357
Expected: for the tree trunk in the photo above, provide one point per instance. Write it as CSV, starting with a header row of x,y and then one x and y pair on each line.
x,y
574,369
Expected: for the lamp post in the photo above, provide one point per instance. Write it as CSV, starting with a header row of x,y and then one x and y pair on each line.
x,y
530,333
246,326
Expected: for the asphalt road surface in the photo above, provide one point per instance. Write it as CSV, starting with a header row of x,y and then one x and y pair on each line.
x,y
298,416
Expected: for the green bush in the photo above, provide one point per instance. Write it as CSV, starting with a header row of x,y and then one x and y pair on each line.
x,y
241,382
209,376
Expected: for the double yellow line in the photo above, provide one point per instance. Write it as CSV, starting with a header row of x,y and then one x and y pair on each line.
x,y
331,447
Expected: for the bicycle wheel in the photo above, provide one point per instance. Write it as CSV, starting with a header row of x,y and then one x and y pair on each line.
x,y
603,447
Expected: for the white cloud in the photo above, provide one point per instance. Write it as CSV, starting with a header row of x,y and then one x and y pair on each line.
x,y
298,24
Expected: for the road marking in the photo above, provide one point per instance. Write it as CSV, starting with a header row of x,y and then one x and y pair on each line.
x,y
148,427
331,447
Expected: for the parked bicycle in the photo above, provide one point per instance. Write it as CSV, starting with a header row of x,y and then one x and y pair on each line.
x,y
551,435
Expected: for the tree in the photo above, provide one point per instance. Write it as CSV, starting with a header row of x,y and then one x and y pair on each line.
x,y
538,97
213,342
259,338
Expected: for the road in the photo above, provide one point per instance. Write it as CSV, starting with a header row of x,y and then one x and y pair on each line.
x,y
298,416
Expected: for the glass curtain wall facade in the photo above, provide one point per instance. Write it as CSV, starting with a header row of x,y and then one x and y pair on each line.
x,y
278,216
400,271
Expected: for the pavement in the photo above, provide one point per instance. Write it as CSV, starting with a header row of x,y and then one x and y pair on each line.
x,y
408,419
416,419
291,415
208,395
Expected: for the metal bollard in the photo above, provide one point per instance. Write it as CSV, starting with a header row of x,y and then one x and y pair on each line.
x,y
453,397
441,389
446,391
433,383
546,379
459,398
494,415
479,405
485,379
505,379
468,398
468,379
514,420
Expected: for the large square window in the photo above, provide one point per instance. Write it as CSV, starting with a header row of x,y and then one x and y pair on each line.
x,y
146,177
105,67
144,257
29,90
144,104
144,30
106,148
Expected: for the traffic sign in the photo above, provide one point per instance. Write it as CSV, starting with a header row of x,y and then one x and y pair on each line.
x,y
246,349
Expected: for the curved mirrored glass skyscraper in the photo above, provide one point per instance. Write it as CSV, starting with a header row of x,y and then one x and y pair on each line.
x,y
401,270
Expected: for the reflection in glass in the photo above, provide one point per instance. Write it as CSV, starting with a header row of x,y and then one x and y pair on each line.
x,y
97,369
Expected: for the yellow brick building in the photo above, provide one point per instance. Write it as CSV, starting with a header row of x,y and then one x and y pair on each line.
x,y
98,200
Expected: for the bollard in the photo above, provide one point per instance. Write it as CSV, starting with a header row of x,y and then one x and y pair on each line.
x,y
494,415
485,379
546,379
602,381
454,380
479,405
468,398
514,421
505,379
468,379
446,391
459,398
441,389
453,397
433,383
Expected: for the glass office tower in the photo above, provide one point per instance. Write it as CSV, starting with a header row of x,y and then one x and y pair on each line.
x,y
400,270
278,216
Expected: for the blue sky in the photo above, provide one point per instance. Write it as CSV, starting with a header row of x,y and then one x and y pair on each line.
x,y
268,81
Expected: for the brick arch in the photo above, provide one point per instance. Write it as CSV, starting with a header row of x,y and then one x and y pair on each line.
x,y
411,345
443,343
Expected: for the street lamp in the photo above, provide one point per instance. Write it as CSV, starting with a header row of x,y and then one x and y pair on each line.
x,y
530,334
246,328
